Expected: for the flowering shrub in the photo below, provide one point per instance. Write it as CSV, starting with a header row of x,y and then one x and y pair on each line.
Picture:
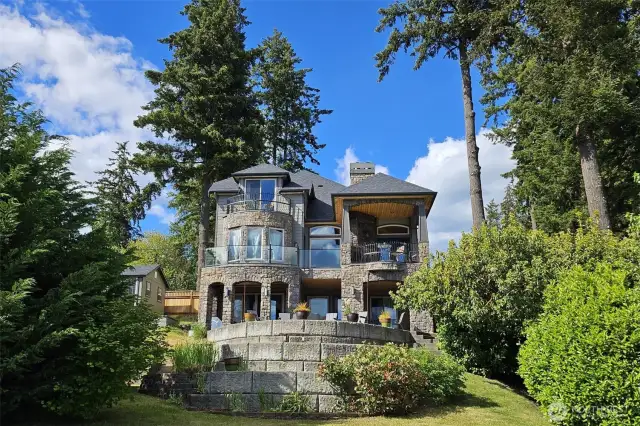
x,y
392,379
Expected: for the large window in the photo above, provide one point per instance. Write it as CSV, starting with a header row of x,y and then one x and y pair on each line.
x,y
276,241
263,191
254,243
234,244
324,247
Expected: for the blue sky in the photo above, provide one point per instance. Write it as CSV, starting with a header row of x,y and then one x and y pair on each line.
x,y
84,61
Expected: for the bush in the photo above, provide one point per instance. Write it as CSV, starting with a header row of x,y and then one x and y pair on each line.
x,y
392,379
581,360
194,357
483,290
199,331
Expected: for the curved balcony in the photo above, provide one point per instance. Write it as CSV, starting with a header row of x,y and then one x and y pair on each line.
x,y
259,202
251,255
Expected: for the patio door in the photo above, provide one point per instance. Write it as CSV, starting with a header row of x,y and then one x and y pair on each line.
x,y
378,305
319,307
277,305
262,191
250,302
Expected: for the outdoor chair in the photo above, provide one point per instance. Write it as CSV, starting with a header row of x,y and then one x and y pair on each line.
x,y
400,321
284,316
331,317
362,317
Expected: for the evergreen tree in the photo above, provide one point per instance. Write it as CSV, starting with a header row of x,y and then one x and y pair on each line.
x,y
71,338
289,105
493,215
465,30
570,78
120,200
205,104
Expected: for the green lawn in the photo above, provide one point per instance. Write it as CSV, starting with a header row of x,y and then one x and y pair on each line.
x,y
486,403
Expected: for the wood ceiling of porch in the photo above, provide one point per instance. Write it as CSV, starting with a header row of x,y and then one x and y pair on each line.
x,y
385,210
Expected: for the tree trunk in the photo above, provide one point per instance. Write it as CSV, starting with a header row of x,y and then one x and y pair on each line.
x,y
475,184
203,226
534,224
596,201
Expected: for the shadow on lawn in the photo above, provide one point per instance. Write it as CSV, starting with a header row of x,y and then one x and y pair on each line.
x,y
459,403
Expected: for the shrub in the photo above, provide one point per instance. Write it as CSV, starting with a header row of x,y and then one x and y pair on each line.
x,y
199,331
483,290
194,357
392,379
581,358
294,403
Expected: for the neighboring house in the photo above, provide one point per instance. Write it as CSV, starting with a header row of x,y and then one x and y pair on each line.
x,y
149,284
282,238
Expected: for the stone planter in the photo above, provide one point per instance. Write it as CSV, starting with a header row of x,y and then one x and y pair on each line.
x,y
385,323
353,317
301,315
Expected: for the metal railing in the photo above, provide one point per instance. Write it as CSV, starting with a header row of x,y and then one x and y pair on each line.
x,y
396,251
258,202
320,258
233,255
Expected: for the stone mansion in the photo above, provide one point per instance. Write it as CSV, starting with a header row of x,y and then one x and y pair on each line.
x,y
282,238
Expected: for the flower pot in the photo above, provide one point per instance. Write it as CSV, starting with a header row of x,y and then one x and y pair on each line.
x,y
249,317
353,317
385,323
302,315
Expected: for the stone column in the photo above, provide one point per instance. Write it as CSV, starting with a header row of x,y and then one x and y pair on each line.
x,y
227,303
204,308
293,295
265,301
423,234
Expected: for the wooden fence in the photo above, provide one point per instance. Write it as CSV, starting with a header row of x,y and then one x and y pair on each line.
x,y
181,302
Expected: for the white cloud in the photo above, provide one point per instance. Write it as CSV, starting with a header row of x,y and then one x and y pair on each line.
x,y
444,169
342,169
88,84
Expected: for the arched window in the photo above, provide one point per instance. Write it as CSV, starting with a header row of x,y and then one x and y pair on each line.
x,y
393,230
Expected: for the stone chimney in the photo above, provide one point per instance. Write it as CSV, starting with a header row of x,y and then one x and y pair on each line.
x,y
360,171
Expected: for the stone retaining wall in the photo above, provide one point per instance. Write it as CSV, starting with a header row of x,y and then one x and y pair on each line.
x,y
246,387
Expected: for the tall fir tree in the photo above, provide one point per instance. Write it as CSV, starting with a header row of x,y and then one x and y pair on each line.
x,y
569,76
121,203
204,102
465,30
289,106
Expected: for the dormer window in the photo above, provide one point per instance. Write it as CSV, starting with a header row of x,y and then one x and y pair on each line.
x,y
261,190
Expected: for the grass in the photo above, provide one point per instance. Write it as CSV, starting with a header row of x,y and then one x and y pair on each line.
x,y
485,403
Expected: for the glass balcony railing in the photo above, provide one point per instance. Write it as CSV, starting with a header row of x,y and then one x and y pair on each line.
x,y
231,255
320,258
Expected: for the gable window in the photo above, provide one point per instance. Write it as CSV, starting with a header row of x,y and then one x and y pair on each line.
x,y
324,247
234,244
254,243
147,291
262,191
393,230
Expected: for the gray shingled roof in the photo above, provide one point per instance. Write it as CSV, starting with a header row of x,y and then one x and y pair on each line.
x,y
320,208
140,270
261,169
381,184
225,185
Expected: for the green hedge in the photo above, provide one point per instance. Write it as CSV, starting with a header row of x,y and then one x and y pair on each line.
x,y
581,359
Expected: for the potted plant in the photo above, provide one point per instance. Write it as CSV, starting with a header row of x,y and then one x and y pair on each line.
x,y
351,316
385,319
302,311
249,316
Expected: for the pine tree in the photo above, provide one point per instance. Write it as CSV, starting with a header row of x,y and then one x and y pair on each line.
x,y
289,105
120,200
493,214
205,104
569,76
465,30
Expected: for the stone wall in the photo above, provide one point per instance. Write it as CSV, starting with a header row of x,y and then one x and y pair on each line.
x,y
165,384
245,387
258,218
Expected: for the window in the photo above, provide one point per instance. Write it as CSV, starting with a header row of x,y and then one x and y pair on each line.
x,y
261,190
324,247
393,230
276,241
147,291
319,307
159,298
234,244
244,303
254,243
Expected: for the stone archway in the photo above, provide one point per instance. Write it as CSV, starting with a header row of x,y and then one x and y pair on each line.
x,y
211,303
245,296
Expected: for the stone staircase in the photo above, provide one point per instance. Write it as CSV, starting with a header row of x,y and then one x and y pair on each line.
x,y
426,340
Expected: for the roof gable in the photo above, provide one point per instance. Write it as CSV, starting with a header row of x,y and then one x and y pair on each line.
x,y
143,271
262,170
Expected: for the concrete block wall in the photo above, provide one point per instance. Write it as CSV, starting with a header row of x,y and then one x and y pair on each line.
x,y
246,386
